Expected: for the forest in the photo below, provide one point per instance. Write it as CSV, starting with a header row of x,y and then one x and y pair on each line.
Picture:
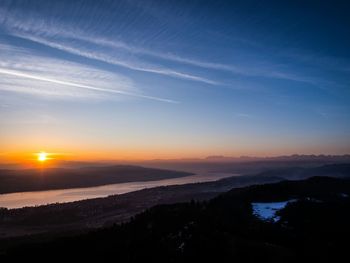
x,y
315,227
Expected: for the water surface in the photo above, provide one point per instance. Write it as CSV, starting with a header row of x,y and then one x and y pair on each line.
x,y
22,199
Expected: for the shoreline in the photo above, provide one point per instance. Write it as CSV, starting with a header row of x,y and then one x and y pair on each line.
x,y
46,197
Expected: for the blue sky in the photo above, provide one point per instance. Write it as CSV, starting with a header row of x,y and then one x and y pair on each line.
x,y
163,79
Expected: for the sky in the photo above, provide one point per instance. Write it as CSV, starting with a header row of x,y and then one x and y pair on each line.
x,y
174,79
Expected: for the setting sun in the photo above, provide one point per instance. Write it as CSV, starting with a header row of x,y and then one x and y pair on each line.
x,y
42,156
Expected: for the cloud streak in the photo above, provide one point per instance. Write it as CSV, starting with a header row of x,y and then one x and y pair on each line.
x,y
61,36
107,58
67,39
56,35
24,72
77,85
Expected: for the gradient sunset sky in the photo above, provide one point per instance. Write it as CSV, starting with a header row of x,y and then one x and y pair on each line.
x,y
173,79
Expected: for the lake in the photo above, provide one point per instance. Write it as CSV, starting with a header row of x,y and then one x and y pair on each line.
x,y
36,198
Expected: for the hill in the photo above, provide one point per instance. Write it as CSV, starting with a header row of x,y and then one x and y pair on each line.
x,y
314,227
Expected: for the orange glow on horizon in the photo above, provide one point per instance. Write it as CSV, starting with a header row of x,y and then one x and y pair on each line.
x,y
29,157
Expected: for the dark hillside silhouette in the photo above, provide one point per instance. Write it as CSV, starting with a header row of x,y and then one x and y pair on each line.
x,y
316,228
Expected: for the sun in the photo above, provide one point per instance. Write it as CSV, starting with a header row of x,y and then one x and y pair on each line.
x,y
42,156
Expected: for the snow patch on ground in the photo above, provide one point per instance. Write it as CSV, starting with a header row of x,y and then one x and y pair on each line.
x,y
267,211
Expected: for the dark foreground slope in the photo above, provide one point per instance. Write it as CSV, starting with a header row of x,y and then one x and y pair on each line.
x,y
314,228
85,215
61,178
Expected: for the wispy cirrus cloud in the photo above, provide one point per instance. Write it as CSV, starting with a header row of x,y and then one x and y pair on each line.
x,y
77,85
23,72
107,58
63,37
74,40
67,41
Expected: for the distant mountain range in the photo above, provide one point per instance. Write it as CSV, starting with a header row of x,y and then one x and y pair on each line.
x,y
299,158
294,157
